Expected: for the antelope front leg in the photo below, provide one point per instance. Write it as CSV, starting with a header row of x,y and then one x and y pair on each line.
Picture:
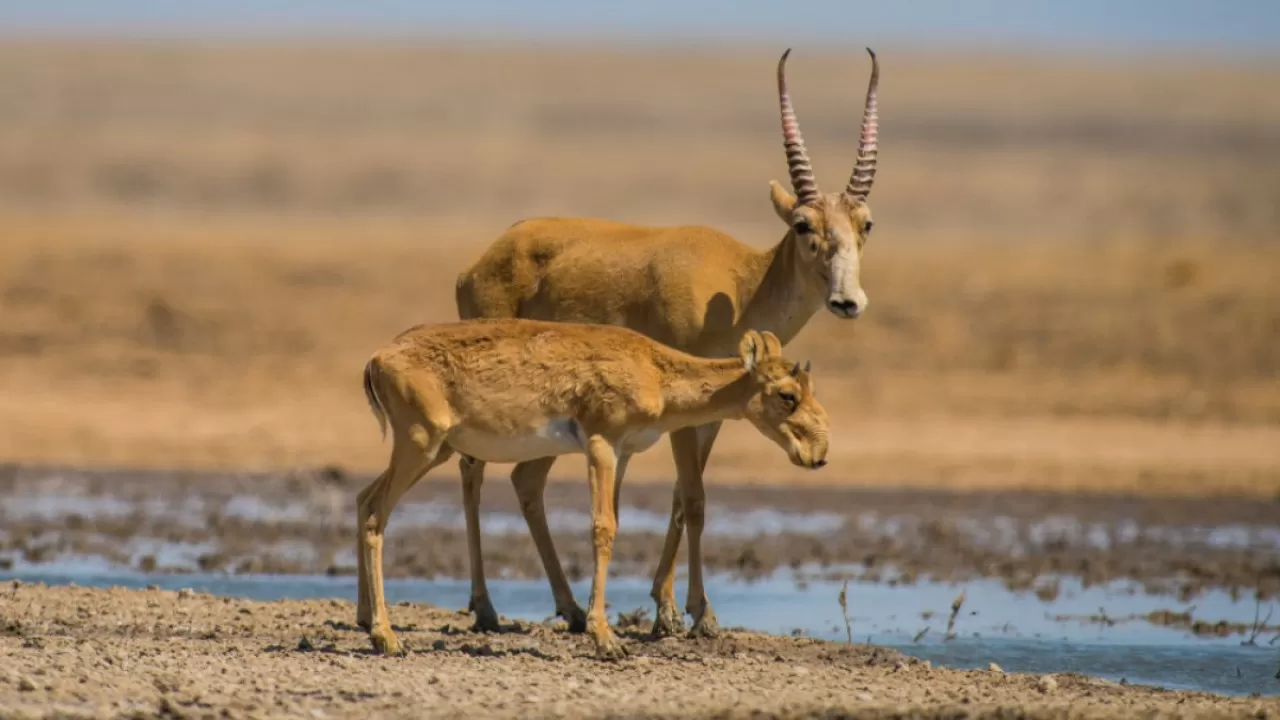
x,y
705,623
690,447
472,472
601,463
694,501
669,620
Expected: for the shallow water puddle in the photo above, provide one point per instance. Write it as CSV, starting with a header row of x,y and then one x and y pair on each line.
x,y
1098,631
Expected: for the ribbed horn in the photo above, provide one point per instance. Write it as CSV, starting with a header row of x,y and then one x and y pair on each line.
x,y
864,170
798,164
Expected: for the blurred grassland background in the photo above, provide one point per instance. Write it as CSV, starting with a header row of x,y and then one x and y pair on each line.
x,y
1073,277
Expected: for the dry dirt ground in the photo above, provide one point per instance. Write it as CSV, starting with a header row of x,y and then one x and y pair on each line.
x,y
75,652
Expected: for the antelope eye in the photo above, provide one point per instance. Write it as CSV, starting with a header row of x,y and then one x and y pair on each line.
x,y
867,229
803,227
789,399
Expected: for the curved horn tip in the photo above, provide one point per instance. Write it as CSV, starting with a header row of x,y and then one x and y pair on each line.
x,y
872,53
807,365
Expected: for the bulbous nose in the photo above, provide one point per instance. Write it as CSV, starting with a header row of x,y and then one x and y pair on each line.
x,y
819,464
844,307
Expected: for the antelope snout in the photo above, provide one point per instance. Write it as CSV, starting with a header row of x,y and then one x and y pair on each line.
x,y
811,457
847,306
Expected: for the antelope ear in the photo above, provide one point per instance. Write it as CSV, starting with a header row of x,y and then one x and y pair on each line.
x,y
783,202
806,384
751,349
772,345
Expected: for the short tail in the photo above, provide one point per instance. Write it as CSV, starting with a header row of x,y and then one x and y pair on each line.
x,y
379,408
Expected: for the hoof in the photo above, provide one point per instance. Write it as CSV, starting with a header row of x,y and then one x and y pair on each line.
x,y
707,626
610,650
576,618
486,618
669,623
387,644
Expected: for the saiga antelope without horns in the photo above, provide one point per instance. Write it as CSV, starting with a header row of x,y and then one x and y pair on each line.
x,y
693,288
510,390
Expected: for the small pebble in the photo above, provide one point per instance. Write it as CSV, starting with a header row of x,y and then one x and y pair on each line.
x,y
25,685
186,593
798,670
1047,684
995,668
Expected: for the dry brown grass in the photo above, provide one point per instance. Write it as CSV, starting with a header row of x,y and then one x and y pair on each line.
x,y
1073,276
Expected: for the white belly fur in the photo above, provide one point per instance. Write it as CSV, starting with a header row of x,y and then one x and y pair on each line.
x,y
558,437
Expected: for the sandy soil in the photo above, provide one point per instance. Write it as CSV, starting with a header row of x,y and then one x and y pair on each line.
x,y
73,652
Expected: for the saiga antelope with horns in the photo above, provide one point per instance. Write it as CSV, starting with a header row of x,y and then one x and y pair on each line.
x,y
511,390
693,288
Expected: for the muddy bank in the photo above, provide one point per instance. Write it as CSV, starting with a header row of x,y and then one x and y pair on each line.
x,y
303,522
85,652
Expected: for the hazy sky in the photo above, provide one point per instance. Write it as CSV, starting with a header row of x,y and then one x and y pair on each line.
x,y
1225,26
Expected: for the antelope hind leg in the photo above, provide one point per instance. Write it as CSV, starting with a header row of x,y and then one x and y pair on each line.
x,y
408,466
530,482
472,472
